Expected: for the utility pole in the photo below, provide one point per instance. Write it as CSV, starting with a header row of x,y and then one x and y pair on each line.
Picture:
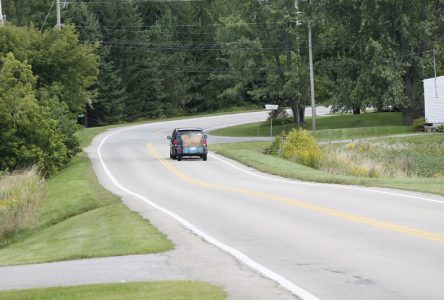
x,y
1,14
310,58
312,91
59,25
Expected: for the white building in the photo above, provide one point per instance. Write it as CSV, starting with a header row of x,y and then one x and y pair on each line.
x,y
434,100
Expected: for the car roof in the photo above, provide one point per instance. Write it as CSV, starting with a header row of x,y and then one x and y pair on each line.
x,y
189,129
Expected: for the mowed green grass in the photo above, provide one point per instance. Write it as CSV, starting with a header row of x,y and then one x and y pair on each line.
x,y
80,219
329,127
167,290
251,154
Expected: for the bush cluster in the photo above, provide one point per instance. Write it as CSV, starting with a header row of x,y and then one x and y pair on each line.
x,y
418,124
298,146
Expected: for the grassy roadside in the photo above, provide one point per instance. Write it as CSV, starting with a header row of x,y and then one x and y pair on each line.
x,y
167,290
251,154
80,219
329,128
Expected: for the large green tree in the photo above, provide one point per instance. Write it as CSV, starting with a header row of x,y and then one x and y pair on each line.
x,y
29,135
60,60
264,49
62,72
377,52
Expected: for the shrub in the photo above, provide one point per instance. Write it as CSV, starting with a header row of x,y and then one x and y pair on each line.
x,y
440,128
275,147
20,195
418,124
300,146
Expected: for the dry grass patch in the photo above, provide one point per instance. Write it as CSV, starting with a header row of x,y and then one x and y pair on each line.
x,y
21,193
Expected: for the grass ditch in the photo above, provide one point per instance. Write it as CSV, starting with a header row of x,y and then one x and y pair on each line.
x,y
166,290
252,154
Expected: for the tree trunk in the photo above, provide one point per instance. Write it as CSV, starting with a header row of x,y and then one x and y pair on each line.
x,y
302,114
415,107
356,110
296,117
85,123
379,106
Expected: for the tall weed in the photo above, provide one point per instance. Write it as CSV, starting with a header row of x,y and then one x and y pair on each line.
x,y
367,160
21,193
385,159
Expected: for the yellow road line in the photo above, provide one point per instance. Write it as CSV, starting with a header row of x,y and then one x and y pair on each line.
x,y
324,210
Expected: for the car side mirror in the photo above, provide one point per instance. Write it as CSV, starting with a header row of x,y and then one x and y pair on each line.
x,y
169,137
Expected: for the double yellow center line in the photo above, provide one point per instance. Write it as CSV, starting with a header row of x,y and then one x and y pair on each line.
x,y
275,198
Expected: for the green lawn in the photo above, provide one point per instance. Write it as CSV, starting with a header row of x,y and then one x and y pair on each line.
x,y
167,290
80,219
251,154
329,127
360,132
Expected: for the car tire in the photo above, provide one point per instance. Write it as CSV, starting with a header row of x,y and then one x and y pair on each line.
x,y
204,157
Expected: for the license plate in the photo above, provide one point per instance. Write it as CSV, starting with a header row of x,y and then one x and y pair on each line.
x,y
189,150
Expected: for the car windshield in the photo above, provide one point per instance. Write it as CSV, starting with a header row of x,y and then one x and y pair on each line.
x,y
190,138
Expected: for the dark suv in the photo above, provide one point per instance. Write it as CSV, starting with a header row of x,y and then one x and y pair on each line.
x,y
188,142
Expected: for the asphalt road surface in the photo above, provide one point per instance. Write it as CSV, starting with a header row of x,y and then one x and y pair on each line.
x,y
318,241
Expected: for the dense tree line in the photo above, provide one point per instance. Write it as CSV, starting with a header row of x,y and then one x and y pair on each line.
x,y
169,58
126,60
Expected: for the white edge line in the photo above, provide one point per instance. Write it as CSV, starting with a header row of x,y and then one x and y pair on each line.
x,y
318,184
285,283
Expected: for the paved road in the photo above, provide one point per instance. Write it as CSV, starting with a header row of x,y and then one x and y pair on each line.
x,y
316,240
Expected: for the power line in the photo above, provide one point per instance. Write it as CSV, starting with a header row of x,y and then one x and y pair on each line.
x,y
52,4
218,47
193,25
114,29
128,1
112,41
168,67
177,47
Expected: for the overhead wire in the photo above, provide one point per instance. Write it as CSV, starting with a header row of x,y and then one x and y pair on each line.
x,y
191,69
197,25
129,1
181,47
50,8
